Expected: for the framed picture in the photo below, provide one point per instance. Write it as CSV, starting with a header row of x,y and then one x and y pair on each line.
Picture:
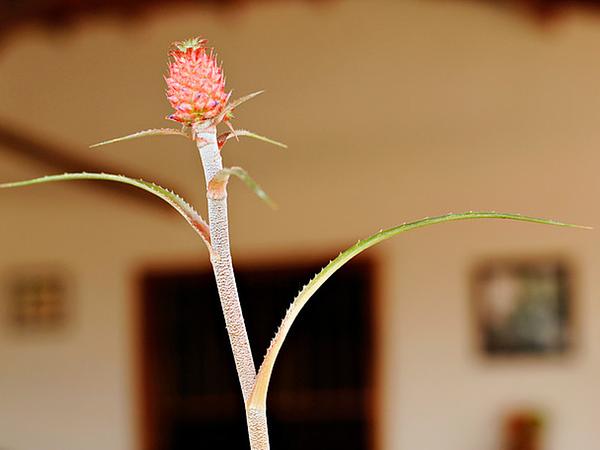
x,y
523,307
36,298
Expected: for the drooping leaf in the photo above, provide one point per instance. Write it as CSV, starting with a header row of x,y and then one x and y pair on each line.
x,y
224,174
259,394
236,133
144,133
178,203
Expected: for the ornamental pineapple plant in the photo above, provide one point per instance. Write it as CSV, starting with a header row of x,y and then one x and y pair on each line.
x,y
196,91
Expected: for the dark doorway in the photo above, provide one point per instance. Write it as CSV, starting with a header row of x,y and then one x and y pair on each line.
x,y
321,387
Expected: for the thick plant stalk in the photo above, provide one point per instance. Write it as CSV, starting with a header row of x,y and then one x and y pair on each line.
x,y
257,428
206,139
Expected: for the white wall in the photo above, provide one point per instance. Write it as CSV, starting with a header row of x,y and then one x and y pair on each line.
x,y
393,111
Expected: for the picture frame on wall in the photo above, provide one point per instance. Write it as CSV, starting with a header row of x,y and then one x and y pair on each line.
x,y
36,299
523,307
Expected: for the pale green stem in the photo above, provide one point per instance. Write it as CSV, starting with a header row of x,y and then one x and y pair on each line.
x,y
206,139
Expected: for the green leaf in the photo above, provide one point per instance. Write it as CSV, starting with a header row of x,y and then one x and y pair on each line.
x,y
259,394
179,204
234,104
144,133
224,174
232,134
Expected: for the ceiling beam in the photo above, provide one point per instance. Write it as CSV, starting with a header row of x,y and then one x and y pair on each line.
x,y
59,14
58,160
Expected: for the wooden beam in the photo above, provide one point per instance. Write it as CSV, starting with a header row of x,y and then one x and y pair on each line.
x,y
59,14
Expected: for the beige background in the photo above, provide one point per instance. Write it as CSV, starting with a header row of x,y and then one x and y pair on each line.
x,y
393,111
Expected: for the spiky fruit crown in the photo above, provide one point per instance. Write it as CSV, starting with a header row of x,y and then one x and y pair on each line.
x,y
195,84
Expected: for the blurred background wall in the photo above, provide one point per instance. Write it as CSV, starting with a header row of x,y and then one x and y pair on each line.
x,y
392,111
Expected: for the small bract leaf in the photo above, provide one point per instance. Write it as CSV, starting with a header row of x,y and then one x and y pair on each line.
x,y
234,104
224,174
144,133
258,397
237,133
178,203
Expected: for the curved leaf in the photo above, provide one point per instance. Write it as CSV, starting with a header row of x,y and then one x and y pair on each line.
x,y
144,133
223,175
179,204
259,394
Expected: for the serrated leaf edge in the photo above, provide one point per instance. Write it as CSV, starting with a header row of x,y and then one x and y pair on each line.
x,y
173,199
257,399
144,133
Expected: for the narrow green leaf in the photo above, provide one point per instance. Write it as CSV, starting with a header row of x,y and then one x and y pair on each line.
x,y
224,174
259,394
232,134
234,104
144,133
178,203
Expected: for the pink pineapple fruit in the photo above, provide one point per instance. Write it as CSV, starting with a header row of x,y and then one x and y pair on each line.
x,y
195,84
